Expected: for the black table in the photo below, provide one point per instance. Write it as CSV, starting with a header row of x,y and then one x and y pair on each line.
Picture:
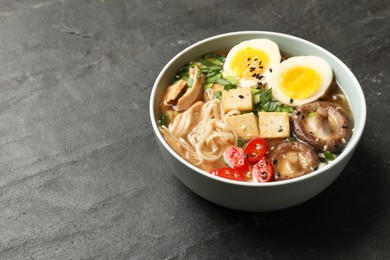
x,y
81,176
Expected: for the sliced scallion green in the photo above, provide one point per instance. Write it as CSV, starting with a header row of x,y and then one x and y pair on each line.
x,y
164,120
208,85
218,94
213,78
328,156
190,82
222,81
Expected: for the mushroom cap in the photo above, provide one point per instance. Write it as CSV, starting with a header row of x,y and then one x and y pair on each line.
x,y
323,125
293,159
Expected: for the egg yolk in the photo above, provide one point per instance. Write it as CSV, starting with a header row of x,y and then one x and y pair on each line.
x,y
300,82
248,61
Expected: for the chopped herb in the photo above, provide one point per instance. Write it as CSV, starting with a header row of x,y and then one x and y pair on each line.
x,y
222,82
211,73
328,156
218,94
190,82
255,91
232,80
240,142
264,102
271,106
311,114
198,74
164,120
208,85
213,78
283,108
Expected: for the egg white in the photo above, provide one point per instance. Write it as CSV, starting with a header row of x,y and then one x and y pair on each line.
x,y
315,63
270,48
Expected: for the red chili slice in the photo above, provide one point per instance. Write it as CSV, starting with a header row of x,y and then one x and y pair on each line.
x,y
229,173
263,171
255,149
234,158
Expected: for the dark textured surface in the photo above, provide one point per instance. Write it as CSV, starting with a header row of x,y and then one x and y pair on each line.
x,y
81,176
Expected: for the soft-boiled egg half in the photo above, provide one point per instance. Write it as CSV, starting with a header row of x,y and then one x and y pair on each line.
x,y
251,62
300,79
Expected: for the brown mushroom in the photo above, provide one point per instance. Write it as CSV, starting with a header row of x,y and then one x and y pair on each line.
x,y
322,125
293,159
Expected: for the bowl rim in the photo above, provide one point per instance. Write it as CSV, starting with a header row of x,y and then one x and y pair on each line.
x,y
352,143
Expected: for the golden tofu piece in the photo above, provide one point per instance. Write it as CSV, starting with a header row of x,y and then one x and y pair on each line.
x,y
244,125
239,98
274,125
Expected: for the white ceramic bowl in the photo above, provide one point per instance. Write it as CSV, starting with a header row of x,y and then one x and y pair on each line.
x,y
258,196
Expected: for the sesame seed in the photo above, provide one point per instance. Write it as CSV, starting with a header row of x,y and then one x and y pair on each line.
x,y
275,161
298,112
243,127
334,97
345,126
259,83
248,59
280,130
260,67
240,96
251,69
291,100
270,70
344,141
255,59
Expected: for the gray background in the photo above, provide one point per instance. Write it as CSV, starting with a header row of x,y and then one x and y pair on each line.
x,y
81,176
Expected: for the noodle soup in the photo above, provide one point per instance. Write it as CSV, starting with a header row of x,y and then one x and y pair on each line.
x,y
252,114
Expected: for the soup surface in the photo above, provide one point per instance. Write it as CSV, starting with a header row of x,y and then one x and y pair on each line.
x,y
253,114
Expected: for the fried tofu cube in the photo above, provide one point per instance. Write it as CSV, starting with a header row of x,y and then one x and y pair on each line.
x,y
244,125
274,125
240,98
